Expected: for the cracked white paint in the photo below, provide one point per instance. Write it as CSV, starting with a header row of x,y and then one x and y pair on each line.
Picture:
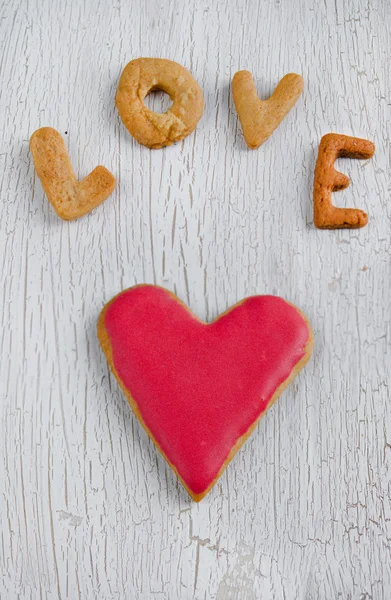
x,y
73,520
88,509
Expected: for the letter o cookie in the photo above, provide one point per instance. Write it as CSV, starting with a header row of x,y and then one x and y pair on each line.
x,y
155,130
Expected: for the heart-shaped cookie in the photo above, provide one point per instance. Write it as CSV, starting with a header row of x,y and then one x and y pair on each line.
x,y
199,389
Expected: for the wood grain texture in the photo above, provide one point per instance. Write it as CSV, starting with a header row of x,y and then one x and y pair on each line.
x,y
88,509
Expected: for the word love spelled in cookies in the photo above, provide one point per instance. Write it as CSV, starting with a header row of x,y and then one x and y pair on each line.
x,y
259,118
70,198
199,389
328,180
155,130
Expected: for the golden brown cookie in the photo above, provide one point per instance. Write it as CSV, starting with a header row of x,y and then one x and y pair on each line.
x,y
70,198
259,118
328,180
155,130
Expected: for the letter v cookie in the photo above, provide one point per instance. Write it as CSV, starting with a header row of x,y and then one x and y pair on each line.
x,y
70,198
259,118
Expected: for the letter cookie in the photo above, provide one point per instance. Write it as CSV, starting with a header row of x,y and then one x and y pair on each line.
x,y
152,129
328,180
70,199
259,118
199,389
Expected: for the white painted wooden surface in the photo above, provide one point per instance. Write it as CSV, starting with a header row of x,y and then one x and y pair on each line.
x,y
88,509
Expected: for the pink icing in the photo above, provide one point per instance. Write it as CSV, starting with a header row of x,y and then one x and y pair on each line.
x,y
199,386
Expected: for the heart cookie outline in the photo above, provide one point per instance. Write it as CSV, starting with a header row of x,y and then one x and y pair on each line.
x,y
106,345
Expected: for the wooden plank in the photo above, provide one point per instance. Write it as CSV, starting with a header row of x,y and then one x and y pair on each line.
x,y
88,509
